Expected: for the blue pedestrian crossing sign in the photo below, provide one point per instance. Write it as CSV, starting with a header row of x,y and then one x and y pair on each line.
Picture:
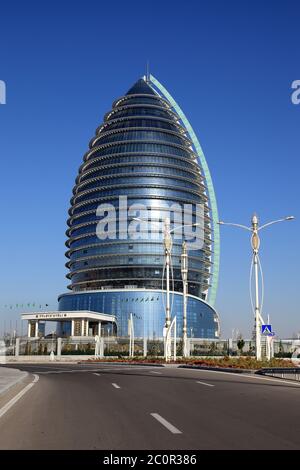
x,y
266,329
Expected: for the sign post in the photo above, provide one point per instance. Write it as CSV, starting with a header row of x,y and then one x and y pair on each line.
x,y
266,331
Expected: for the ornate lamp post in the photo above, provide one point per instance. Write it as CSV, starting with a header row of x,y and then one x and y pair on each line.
x,y
184,274
168,253
255,245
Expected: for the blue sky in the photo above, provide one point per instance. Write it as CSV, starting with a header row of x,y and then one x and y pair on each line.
x,y
229,65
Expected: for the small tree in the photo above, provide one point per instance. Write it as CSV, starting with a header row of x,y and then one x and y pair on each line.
x,y
251,349
154,349
179,348
240,344
212,348
225,350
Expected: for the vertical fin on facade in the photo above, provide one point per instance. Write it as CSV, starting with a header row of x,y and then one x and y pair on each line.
x,y
210,188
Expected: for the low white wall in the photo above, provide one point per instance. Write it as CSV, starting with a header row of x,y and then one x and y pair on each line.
x,y
67,358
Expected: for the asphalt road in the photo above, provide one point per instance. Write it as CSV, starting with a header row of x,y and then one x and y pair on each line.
x,y
135,407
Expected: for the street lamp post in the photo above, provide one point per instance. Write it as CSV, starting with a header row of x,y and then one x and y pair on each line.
x,y
184,273
131,335
168,251
255,245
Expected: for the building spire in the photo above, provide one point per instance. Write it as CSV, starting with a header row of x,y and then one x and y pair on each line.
x,y
147,72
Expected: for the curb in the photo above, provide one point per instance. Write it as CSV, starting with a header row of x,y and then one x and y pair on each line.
x,y
219,369
175,366
14,382
122,363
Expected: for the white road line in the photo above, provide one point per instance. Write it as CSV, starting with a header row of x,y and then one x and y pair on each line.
x,y
29,366
166,423
104,369
155,372
50,372
273,380
116,386
246,376
95,373
124,368
14,400
72,371
204,383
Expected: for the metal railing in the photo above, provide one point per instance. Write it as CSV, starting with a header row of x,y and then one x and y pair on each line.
x,y
289,373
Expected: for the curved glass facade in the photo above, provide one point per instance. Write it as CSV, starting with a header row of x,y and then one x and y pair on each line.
x,y
143,152
147,310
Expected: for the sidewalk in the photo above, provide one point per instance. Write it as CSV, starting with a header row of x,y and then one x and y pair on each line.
x,y
9,378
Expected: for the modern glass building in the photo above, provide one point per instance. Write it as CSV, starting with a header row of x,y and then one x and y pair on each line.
x,y
145,155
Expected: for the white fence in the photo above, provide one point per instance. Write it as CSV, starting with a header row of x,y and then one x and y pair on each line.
x,y
112,347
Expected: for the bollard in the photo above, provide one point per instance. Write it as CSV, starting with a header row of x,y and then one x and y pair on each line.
x,y
58,347
101,347
17,347
145,347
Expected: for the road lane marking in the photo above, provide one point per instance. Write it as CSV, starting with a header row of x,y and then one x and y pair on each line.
x,y
116,386
106,369
204,383
95,373
19,395
155,372
269,379
72,371
246,376
166,423
29,366
50,372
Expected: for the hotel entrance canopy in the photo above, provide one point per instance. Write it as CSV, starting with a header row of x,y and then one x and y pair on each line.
x,y
80,321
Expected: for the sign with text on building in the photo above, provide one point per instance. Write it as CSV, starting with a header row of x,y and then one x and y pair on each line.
x,y
49,316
